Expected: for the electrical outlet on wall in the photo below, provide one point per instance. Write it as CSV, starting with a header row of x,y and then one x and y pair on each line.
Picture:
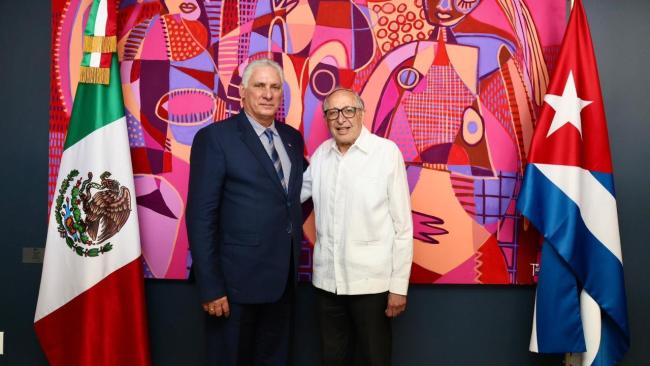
x,y
33,255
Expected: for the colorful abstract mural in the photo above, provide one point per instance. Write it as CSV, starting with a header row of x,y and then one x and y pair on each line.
x,y
457,84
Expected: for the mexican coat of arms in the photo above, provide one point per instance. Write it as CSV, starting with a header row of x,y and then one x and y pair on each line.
x,y
89,213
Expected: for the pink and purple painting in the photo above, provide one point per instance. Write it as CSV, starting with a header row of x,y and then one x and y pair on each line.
x,y
457,84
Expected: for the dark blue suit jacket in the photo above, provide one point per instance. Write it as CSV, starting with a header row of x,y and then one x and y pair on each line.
x,y
242,226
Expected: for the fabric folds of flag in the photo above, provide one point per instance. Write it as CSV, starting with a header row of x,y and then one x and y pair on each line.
x,y
91,308
568,195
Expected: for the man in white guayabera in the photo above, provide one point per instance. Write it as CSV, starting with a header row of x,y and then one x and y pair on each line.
x,y
364,235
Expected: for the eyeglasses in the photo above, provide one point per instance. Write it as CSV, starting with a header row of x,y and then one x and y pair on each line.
x,y
348,112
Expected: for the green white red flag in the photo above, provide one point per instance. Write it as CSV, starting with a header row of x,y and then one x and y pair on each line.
x,y
91,307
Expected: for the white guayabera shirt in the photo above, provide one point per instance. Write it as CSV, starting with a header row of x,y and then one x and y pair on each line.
x,y
364,230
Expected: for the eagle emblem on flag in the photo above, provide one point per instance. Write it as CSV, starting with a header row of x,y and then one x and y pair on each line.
x,y
89,213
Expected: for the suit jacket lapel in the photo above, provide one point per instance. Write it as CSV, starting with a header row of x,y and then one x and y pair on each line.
x,y
250,138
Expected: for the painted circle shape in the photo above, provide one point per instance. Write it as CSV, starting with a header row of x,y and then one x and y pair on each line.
x,y
472,127
408,78
323,82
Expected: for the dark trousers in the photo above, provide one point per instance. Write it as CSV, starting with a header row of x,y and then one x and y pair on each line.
x,y
254,334
354,329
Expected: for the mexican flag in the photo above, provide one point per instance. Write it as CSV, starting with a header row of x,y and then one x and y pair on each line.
x,y
91,308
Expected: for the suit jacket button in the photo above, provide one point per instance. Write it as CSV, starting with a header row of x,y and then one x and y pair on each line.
x,y
289,228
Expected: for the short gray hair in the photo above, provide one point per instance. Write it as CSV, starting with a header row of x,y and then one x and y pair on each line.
x,y
359,101
248,70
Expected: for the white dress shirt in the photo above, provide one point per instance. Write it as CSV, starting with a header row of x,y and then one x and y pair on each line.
x,y
364,229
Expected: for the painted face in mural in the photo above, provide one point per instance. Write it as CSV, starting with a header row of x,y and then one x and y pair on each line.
x,y
448,12
188,9
262,96
344,118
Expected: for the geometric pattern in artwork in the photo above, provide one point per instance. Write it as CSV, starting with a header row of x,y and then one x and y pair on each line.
x,y
457,90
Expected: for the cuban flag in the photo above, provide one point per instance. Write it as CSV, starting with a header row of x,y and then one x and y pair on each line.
x,y
568,195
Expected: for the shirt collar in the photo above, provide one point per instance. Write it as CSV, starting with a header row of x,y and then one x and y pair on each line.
x,y
363,142
259,129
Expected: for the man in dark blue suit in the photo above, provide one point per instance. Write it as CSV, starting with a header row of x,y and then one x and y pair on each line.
x,y
244,223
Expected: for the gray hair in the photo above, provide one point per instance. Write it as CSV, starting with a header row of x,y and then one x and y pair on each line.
x,y
359,101
248,70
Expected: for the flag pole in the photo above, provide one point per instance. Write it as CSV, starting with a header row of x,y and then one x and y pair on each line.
x,y
572,359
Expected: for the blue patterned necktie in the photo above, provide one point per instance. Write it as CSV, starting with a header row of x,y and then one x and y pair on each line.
x,y
275,158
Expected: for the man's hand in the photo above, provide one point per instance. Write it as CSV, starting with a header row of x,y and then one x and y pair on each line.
x,y
396,305
218,307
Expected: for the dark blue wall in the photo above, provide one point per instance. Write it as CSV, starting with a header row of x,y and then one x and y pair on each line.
x,y
444,325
